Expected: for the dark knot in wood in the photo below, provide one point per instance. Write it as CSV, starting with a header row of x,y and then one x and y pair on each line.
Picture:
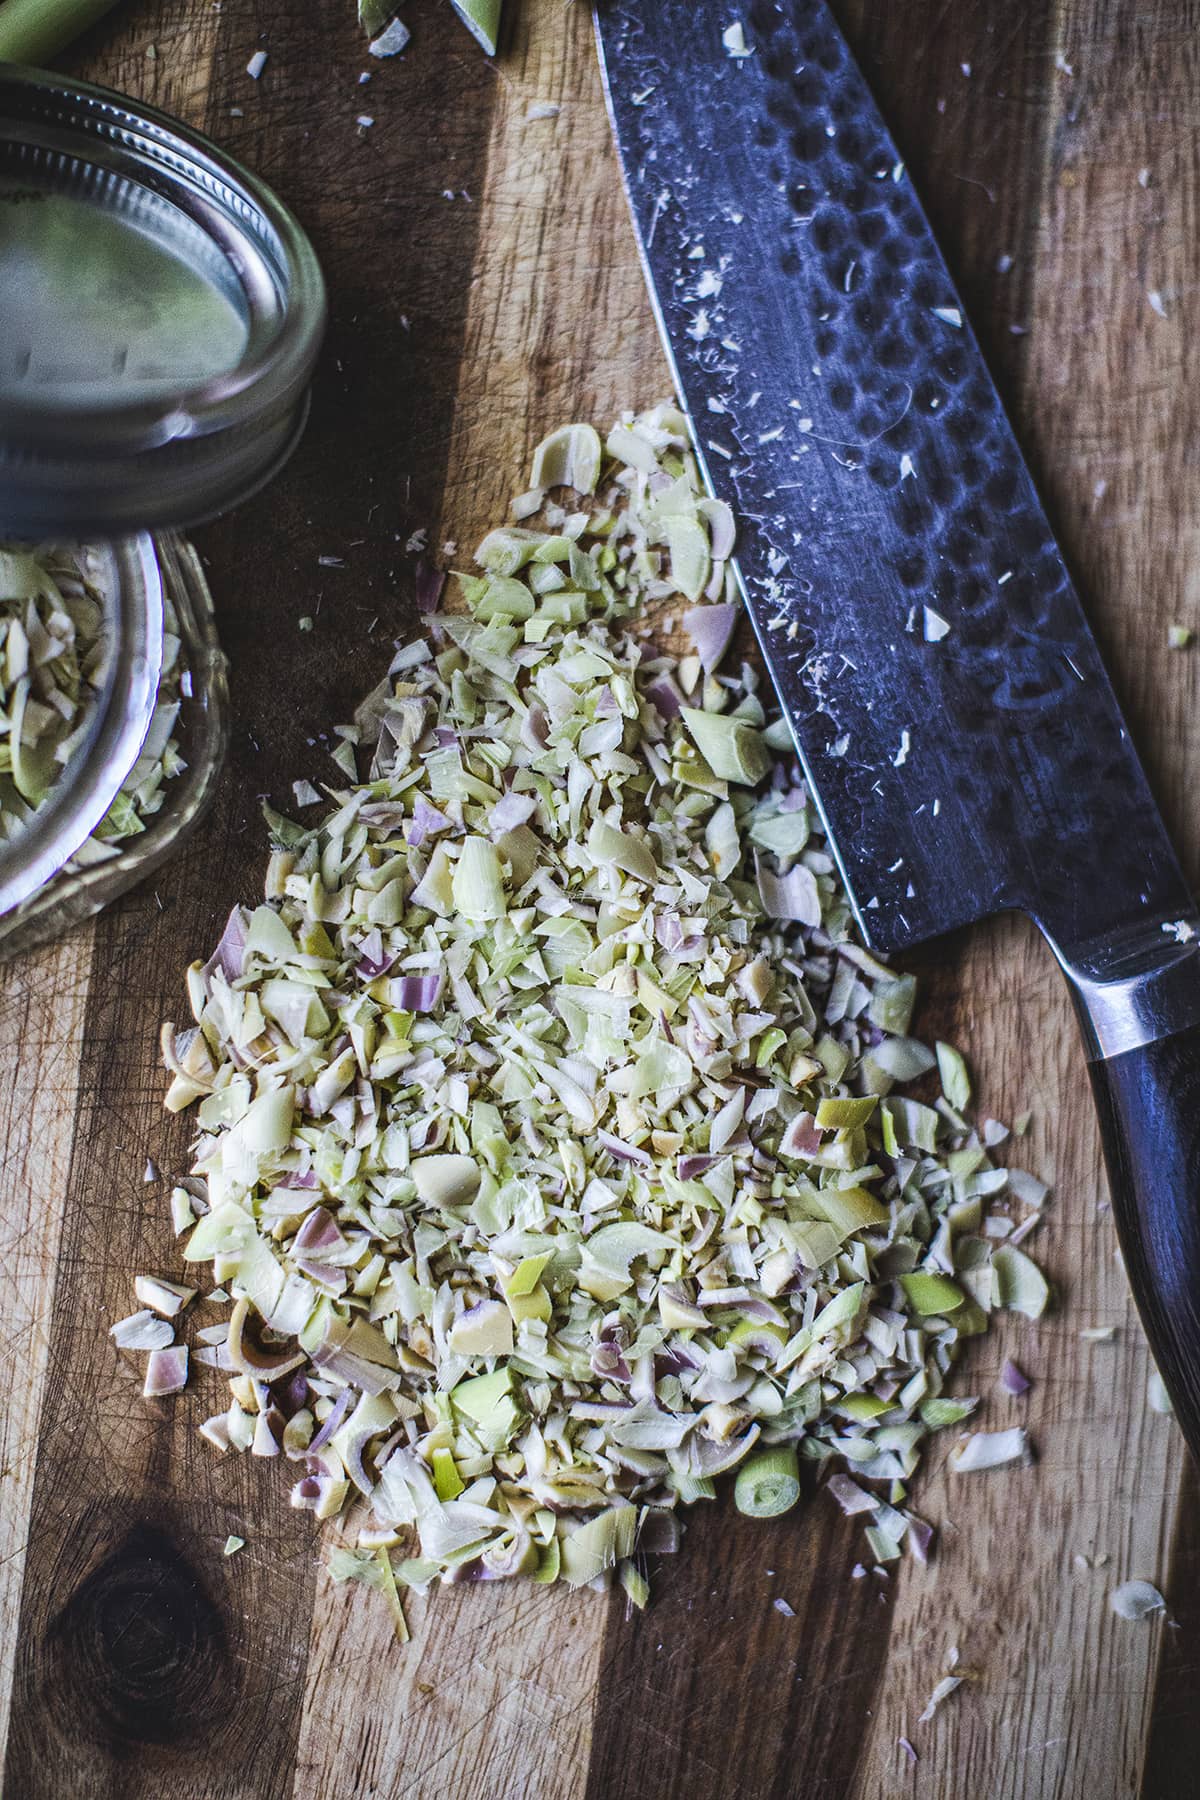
x,y
139,1651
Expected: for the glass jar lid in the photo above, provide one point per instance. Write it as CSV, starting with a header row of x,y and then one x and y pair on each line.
x,y
163,313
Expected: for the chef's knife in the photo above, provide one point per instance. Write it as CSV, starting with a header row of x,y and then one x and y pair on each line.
x,y
946,696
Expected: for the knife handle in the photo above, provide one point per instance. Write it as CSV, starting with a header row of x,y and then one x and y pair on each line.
x,y
1139,1008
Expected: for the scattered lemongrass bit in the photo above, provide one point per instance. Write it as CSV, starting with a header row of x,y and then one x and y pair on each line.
x,y
1099,1334
731,747
990,1450
849,1496
482,20
1136,1600
256,65
908,1750
1014,1380
948,1685
734,39
768,1483
392,40
233,1544
182,1212
710,629
952,1071
1025,1229
1157,1397
569,457
782,1606
921,1538
1029,1189
634,1583
141,1331
167,1298
1179,636
166,1371
392,1594
1019,1283
547,1121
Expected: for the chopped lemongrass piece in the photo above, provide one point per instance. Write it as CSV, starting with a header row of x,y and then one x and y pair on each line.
x,y
1136,1600
768,1483
733,750
990,1450
164,1297
637,1588
569,457
1157,1397
482,20
166,1371
141,1331
1020,1284
948,1685
956,1083
394,38
233,1544
391,1594
927,1293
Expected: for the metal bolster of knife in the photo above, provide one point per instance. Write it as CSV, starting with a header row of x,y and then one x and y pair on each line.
x,y
1137,988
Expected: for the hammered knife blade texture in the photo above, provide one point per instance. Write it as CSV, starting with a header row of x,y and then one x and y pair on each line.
x,y
947,697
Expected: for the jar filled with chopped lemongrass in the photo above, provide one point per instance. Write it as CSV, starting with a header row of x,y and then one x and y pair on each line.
x,y
163,312
113,722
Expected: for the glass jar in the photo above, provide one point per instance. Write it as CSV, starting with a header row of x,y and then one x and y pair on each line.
x,y
166,652
163,313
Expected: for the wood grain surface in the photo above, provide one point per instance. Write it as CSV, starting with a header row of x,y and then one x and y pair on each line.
x,y
484,287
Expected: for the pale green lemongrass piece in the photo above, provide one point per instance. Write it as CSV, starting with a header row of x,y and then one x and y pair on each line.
x,y
928,1293
733,750
478,881
570,456
691,559
768,1483
1020,1285
956,1083
599,1545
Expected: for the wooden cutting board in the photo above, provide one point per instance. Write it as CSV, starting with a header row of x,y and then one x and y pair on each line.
x,y
484,288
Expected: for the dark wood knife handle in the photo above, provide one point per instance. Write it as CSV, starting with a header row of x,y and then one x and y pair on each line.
x,y
1139,1006
1149,1104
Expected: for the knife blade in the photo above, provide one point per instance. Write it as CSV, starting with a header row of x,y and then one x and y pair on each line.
x,y
946,696
948,699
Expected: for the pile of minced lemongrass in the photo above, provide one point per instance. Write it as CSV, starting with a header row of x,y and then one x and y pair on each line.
x,y
548,1162
55,647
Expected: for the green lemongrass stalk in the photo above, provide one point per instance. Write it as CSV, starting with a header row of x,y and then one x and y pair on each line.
x,y
768,1484
482,20
33,31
